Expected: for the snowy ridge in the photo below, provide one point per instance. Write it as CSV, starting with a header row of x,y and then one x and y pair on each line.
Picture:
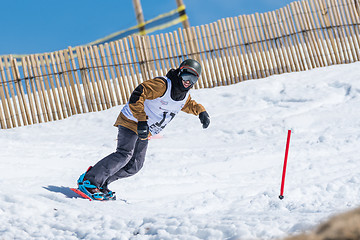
x,y
218,183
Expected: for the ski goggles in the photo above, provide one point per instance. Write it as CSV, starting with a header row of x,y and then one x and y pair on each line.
x,y
185,76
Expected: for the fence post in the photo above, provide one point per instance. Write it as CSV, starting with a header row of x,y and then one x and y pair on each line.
x,y
96,78
195,47
133,61
164,64
39,89
120,71
2,119
12,91
232,50
318,39
150,56
4,99
141,59
169,51
60,85
85,80
70,71
224,40
71,95
221,53
306,34
128,69
100,74
216,56
20,93
267,64
112,76
204,62
350,48
144,42
104,69
57,113
45,75
74,69
338,32
49,107
157,63
249,48
355,35
93,79
244,62
357,6
333,38
28,89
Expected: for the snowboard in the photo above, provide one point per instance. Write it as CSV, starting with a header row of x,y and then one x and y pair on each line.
x,y
80,193
83,195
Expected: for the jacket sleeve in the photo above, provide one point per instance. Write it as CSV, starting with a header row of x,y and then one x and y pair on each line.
x,y
193,107
149,89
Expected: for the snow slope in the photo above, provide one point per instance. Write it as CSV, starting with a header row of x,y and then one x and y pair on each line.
x,y
218,183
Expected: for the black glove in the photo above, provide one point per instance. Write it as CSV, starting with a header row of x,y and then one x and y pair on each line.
x,y
143,130
204,119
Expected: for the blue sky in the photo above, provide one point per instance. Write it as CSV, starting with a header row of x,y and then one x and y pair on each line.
x,y
36,26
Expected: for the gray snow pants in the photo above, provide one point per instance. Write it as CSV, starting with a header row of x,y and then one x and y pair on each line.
x,y
125,162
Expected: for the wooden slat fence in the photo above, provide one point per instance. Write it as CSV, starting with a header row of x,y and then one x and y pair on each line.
x,y
303,35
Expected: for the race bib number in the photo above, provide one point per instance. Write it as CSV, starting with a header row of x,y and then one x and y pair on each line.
x,y
156,127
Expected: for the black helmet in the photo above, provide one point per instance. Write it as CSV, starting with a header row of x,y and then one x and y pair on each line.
x,y
191,66
189,70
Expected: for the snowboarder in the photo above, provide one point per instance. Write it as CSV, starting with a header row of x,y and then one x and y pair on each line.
x,y
152,105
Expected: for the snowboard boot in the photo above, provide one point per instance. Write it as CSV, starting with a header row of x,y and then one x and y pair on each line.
x,y
108,194
89,189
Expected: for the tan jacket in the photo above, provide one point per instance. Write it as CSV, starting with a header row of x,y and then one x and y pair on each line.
x,y
151,89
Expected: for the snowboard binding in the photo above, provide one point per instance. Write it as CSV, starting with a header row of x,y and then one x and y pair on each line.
x,y
92,191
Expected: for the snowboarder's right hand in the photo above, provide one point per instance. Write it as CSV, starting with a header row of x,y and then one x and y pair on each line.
x,y
143,130
204,119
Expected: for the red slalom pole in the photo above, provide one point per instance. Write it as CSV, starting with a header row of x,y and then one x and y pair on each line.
x,y
284,167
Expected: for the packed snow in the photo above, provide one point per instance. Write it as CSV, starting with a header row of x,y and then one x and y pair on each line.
x,y
219,183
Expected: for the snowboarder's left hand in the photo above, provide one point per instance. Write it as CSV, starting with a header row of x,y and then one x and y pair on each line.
x,y
143,130
204,119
